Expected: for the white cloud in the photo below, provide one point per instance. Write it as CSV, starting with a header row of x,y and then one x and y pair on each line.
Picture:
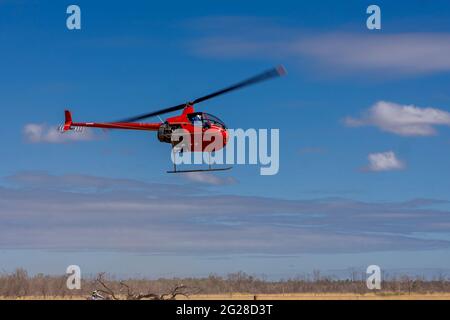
x,y
399,53
41,133
207,178
405,120
384,161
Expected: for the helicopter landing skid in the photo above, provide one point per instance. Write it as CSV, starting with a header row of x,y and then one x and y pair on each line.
x,y
200,170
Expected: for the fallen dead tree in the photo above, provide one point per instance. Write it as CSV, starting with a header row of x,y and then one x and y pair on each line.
x,y
126,292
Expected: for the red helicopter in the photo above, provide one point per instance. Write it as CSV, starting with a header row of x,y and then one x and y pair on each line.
x,y
193,123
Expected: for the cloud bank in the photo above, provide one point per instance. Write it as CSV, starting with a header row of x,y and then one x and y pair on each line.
x,y
208,178
38,210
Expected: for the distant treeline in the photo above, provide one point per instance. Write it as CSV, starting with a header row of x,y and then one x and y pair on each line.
x,y
20,284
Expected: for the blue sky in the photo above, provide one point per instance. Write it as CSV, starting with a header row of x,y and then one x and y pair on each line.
x,y
364,136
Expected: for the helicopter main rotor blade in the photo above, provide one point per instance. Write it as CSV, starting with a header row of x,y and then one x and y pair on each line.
x,y
272,73
154,113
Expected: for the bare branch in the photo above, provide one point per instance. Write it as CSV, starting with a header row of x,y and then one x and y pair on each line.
x,y
103,284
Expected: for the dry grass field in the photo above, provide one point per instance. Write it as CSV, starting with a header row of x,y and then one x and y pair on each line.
x,y
289,296
324,296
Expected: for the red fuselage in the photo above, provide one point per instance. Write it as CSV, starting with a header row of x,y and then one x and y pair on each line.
x,y
202,129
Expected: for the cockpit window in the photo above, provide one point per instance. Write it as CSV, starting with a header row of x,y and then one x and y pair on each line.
x,y
214,120
196,119
205,120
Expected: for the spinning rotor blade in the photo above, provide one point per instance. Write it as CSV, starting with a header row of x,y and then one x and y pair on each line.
x,y
153,114
275,72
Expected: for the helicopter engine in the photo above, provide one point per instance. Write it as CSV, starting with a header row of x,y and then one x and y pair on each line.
x,y
165,132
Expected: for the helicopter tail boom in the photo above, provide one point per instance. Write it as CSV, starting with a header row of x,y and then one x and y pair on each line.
x,y
70,125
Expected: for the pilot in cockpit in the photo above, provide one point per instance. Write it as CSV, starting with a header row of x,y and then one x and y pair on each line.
x,y
197,120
